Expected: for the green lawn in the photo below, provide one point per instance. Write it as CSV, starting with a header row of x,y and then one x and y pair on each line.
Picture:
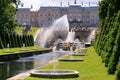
x,y
16,50
91,68
32,31
19,30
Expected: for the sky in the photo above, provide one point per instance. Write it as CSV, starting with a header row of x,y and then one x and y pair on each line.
x,y
37,3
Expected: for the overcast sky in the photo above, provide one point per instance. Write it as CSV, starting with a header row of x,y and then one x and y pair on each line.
x,y
37,3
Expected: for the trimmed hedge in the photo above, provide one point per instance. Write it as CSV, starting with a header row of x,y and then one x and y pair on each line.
x,y
1,44
118,71
107,42
15,40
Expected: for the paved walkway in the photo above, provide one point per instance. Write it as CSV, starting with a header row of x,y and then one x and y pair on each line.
x,y
21,76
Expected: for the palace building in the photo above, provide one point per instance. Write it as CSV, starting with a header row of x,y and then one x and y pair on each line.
x,y
78,16
83,20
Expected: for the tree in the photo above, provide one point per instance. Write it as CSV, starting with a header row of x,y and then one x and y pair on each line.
x,y
19,42
32,40
7,11
1,44
118,71
107,43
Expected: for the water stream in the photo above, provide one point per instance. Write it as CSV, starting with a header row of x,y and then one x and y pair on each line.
x,y
12,68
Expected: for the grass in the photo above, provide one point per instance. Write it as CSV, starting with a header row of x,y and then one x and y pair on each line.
x,y
19,30
90,69
32,31
16,50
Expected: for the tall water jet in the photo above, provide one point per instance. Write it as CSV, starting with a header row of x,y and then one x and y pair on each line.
x,y
70,37
59,29
91,36
55,73
54,57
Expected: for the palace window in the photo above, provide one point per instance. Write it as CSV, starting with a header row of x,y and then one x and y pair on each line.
x,y
32,19
48,19
48,14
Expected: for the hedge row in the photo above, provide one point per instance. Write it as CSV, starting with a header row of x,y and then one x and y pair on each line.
x,y
15,40
107,42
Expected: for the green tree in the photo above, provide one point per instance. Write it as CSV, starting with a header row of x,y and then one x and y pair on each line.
x,y
1,44
18,40
32,40
7,11
107,43
118,71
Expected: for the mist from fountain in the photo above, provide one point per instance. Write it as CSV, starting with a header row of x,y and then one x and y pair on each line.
x,y
8,47
71,49
91,36
70,37
60,27
46,34
54,58
55,73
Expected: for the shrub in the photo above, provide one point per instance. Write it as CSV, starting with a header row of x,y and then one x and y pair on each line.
x,y
1,44
118,71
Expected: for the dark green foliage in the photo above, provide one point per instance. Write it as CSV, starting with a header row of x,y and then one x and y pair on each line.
x,y
115,55
118,72
19,42
103,9
28,40
15,40
7,11
7,25
8,40
1,44
12,40
24,39
107,43
32,40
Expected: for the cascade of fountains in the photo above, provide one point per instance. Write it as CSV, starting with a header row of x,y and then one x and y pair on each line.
x,y
55,73
54,57
60,27
71,49
70,37
91,36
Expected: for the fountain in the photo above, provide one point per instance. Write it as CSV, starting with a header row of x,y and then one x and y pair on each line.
x,y
58,30
55,73
70,37
91,38
8,49
23,48
71,58
80,48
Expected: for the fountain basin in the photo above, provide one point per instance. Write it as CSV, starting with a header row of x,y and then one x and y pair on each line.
x,y
71,59
58,73
79,54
